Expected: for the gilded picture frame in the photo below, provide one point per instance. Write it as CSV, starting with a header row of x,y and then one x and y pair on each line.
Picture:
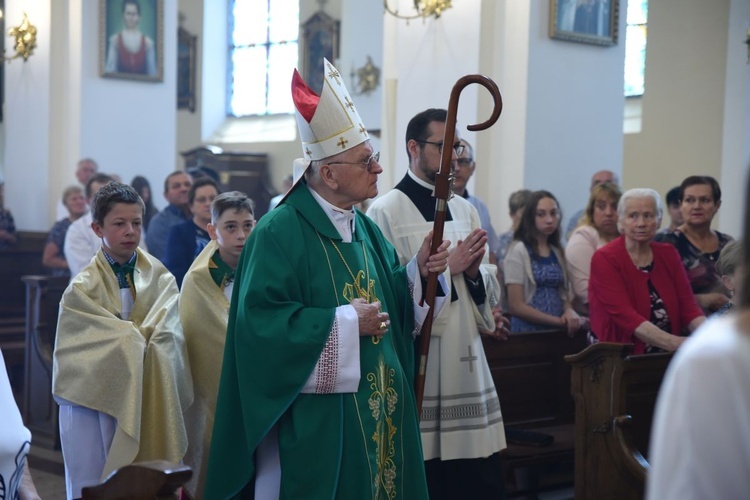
x,y
131,39
321,39
584,21
186,61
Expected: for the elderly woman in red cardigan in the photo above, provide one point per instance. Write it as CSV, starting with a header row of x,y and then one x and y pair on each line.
x,y
639,292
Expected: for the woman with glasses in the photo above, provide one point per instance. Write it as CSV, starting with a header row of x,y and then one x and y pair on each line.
x,y
699,246
638,290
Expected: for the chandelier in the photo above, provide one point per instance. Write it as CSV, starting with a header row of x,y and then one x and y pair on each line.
x,y
424,8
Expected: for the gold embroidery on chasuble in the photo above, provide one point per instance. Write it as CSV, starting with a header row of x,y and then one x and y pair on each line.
x,y
382,402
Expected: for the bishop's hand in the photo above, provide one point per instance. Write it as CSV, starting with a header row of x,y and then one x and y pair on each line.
x,y
371,320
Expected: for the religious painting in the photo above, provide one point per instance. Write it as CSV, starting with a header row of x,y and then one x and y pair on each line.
x,y
186,44
131,40
321,39
584,21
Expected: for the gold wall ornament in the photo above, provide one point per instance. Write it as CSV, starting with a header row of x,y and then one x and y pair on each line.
x,y
747,42
367,78
25,35
424,8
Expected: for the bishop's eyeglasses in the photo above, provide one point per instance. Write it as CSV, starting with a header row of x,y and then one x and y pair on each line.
x,y
457,147
367,164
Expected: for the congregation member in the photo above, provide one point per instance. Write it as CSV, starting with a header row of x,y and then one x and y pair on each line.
x,y
699,246
176,189
7,224
81,242
463,170
728,268
53,256
143,188
599,177
639,292
204,309
187,239
286,185
461,446
516,204
597,228
674,211
120,372
535,271
85,168
316,398
700,440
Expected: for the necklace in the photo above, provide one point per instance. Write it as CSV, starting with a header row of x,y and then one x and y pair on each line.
x,y
353,290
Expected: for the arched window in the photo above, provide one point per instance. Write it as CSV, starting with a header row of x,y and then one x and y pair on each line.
x,y
263,49
635,48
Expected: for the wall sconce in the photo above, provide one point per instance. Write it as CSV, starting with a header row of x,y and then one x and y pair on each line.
x,y
424,8
368,78
25,35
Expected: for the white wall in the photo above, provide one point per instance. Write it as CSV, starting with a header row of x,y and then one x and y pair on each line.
x,y
27,123
422,62
735,155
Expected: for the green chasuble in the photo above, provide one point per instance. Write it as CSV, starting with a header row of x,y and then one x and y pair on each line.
x,y
293,273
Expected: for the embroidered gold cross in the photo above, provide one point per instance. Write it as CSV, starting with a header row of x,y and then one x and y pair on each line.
x,y
348,103
342,142
362,129
308,152
333,73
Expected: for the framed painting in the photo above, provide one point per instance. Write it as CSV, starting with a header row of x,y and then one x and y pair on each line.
x,y
584,21
186,46
321,39
131,39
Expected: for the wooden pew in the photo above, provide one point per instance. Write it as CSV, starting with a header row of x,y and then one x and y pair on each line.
x,y
533,384
25,257
615,394
43,294
144,480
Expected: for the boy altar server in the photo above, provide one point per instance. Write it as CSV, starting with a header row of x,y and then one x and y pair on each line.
x,y
204,307
120,369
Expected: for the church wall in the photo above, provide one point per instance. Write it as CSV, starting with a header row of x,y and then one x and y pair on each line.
x,y
189,123
422,62
27,122
562,117
129,126
736,130
683,105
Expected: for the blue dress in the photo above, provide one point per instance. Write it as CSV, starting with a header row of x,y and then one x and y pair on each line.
x,y
549,277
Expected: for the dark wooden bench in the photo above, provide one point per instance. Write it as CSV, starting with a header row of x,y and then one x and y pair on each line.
x,y
615,395
43,294
144,480
533,384
25,257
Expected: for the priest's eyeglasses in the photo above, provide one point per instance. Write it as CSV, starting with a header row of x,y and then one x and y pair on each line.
x,y
367,164
457,147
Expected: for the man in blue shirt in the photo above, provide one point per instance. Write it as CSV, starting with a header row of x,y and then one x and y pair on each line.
x,y
176,188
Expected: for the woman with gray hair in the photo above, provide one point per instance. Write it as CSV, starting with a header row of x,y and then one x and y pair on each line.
x,y
638,289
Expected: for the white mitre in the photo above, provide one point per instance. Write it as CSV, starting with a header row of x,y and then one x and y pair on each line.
x,y
328,124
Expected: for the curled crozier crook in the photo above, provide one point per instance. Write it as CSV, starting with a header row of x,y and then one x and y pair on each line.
x,y
442,194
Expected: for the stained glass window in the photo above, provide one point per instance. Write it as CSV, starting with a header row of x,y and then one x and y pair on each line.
x,y
263,48
635,47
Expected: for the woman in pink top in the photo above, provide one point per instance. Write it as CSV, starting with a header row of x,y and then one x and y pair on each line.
x,y
597,228
638,289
